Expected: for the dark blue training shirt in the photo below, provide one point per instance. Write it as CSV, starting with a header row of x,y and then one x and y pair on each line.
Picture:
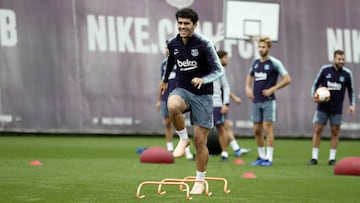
x,y
265,76
197,58
337,82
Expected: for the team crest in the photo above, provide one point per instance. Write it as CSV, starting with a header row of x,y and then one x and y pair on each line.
x,y
342,79
266,67
194,52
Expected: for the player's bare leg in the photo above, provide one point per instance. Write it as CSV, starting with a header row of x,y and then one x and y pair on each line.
x,y
177,106
202,157
168,134
333,143
268,128
316,143
223,140
257,129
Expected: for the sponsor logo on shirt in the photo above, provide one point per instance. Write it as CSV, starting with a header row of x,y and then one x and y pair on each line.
x,y
186,65
333,85
260,76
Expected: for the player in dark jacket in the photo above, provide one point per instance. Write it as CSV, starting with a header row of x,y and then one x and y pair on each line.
x,y
197,67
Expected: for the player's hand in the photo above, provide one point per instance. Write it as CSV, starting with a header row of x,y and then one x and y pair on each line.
x,y
157,106
162,87
197,82
249,93
224,109
268,92
316,99
351,109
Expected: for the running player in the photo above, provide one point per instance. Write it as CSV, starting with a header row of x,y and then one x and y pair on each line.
x,y
197,67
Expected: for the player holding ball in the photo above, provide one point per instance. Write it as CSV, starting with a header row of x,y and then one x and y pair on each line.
x,y
336,78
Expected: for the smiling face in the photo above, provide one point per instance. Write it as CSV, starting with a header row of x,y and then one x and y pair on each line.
x,y
186,27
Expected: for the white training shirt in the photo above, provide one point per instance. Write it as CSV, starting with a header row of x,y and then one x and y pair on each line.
x,y
218,98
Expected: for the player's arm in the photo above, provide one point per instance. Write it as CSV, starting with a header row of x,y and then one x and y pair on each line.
x,y
286,80
214,62
351,93
226,94
248,89
169,68
235,98
317,81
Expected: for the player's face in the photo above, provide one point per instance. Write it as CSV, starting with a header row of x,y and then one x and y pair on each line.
x,y
186,27
224,60
263,49
339,61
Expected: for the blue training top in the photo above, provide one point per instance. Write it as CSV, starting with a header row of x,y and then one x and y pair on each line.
x,y
197,58
265,76
336,81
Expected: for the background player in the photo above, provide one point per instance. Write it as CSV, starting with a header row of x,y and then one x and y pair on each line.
x,y
224,60
337,79
263,75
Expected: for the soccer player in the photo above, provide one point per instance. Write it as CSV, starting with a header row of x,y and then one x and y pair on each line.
x,y
221,100
161,106
337,78
197,67
263,74
222,95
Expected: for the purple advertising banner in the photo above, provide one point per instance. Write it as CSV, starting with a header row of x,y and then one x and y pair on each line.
x,y
90,66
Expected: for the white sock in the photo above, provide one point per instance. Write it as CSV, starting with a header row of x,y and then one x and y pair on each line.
x,y
225,154
269,153
234,145
315,153
261,151
170,146
187,150
183,134
200,175
332,154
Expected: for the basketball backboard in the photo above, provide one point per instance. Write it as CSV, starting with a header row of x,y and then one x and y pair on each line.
x,y
244,19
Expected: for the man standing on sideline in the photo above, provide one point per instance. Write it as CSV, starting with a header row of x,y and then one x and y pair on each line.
x,y
161,106
263,75
222,95
337,79
197,67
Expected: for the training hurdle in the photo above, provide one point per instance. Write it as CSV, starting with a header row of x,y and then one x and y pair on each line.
x,y
181,183
207,193
226,190
162,183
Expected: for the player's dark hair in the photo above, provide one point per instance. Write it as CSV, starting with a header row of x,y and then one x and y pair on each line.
x,y
187,13
222,53
338,52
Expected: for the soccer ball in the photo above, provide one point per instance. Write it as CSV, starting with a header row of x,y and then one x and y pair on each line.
x,y
323,94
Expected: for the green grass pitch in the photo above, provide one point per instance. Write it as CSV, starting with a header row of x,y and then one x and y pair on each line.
x,y
107,169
